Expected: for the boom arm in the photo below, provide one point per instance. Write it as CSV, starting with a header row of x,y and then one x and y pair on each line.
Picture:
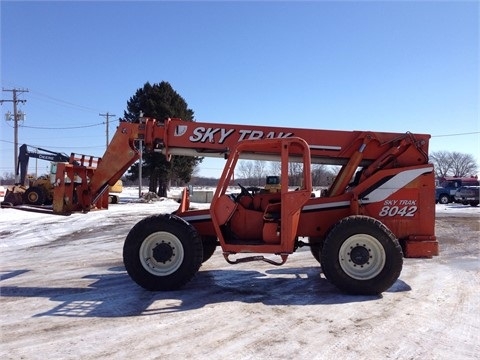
x,y
374,150
177,137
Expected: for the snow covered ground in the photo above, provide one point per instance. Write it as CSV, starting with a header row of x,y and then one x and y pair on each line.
x,y
64,294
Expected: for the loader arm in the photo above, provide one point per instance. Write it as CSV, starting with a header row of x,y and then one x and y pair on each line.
x,y
22,164
42,154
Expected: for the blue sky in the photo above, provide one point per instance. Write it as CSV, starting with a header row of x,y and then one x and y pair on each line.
x,y
350,65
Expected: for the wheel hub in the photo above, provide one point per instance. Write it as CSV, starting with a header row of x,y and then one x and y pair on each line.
x,y
163,252
359,255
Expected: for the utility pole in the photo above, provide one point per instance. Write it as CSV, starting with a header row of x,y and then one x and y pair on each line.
x,y
17,116
107,116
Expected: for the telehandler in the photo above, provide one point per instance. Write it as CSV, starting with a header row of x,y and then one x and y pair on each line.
x,y
379,209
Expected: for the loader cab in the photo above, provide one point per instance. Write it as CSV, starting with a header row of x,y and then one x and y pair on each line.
x,y
272,184
53,172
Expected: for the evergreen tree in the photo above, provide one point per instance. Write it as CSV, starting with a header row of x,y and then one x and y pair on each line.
x,y
160,101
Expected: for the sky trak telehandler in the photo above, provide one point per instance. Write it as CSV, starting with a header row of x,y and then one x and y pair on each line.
x,y
380,207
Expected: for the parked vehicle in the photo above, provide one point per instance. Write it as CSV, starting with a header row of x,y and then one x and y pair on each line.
x,y
445,192
468,195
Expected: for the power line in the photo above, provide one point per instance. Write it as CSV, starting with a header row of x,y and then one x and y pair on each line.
x,y
64,102
60,147
62,128
459,134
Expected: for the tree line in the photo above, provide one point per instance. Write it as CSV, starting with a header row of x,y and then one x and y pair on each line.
x,y
254,173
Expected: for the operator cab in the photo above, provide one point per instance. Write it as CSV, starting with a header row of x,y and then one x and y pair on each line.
x,y
272,184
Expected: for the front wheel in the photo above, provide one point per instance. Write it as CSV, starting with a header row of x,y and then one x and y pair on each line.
x,y
443,199
162,252
35,195
361,256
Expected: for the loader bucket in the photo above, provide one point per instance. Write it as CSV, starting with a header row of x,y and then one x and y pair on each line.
x,y
14,196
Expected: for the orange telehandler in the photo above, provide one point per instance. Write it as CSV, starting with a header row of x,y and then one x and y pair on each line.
x,y
380,207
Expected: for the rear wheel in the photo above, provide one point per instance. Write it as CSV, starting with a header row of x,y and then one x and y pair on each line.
x,y
162,252
34,195
209,244
361,256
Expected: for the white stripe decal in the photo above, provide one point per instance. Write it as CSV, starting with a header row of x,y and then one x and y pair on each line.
x,y
325,147
393,185
326,206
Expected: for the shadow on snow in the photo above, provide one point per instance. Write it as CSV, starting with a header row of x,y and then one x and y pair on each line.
x,y
115,295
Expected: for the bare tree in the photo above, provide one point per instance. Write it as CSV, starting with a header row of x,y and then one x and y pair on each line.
x,y
7,178
259,169
448,163
245,169
321,175
442,162
295,172
275,168
463,164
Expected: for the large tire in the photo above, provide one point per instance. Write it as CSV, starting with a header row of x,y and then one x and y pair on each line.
x,y
316,244
35,195
162,252
209,244
361,256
